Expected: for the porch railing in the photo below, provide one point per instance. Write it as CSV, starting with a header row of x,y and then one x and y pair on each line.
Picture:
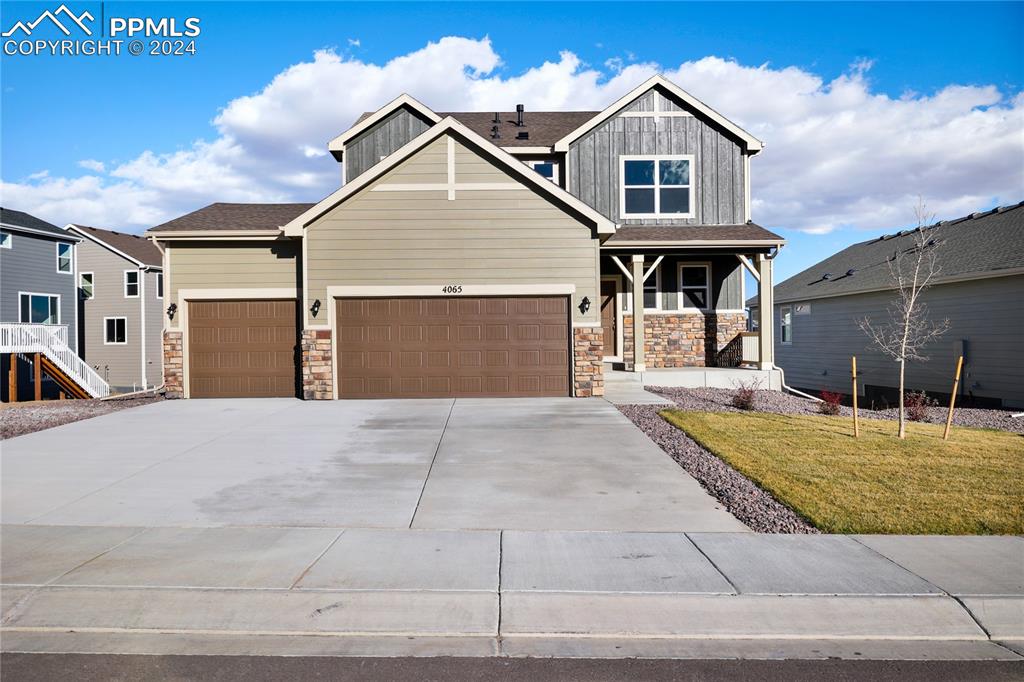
x,y
52,341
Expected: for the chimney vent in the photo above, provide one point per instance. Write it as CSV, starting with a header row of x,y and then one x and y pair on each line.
x,y
519,115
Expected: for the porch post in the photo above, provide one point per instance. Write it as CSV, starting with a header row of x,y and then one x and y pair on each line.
x,y
637,267
765,313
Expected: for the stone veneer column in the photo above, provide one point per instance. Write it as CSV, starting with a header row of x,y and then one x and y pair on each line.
x,y
588,361
317,371
174,370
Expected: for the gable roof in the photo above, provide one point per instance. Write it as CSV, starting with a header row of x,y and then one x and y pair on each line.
x,y
544,128
20,220
366,121
135,248
221,217
989,243
514,166
753,144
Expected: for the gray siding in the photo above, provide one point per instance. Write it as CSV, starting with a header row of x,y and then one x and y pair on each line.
x,y
717,176
985,313
30,265
120,365
388,135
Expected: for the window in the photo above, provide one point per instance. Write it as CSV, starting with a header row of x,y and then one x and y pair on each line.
x,y
39,309
653,186
5,240
694,285
786,324
549,169
159,285
86,288
64,258
115,331
131,283
652,290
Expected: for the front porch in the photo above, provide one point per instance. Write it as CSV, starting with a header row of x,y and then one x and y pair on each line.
x,y
694,377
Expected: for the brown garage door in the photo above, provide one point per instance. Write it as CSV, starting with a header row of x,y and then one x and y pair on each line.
x,y
453,347
242,349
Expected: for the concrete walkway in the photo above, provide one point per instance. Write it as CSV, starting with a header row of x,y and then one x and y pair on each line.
x,y
514,593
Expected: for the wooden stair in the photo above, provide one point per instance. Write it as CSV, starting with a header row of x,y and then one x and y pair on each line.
x,y
66,383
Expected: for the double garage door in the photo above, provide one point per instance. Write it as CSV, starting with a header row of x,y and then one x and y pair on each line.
x,y
388,347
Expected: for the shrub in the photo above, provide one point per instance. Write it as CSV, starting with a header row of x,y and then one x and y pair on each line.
x,y
917,404
745,397
831,402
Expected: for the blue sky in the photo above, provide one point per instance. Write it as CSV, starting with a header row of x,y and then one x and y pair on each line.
x,y
60,111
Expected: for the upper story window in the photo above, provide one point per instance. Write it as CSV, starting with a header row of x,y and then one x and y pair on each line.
x,y
39,308
548,169
786,324
131,283
86,285
655,186
64,258
5,240
159,285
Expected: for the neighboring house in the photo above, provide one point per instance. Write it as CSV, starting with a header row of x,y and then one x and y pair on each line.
x,y
480,254
979,288
120,285
38,311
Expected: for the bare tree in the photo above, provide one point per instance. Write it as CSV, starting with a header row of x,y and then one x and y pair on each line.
x,y
908,329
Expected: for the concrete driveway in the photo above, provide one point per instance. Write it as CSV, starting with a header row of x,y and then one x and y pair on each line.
x,y
537,464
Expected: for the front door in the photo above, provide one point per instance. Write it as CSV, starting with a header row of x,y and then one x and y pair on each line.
x,y
609,320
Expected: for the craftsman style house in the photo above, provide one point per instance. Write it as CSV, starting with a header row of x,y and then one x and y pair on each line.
x,y
480,254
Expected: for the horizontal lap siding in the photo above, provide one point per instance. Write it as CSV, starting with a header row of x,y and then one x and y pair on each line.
x,y
31,265
984,312
481,237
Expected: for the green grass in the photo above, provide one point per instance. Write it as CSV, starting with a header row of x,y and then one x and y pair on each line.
x,y
971,484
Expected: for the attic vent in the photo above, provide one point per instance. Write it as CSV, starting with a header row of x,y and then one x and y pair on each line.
x,y
851,272
827,276
523,135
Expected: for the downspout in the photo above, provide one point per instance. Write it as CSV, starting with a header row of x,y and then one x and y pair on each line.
x,y
142,324
165,273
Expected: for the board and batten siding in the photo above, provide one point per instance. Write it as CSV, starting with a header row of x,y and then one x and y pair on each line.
x,y
30,265
495,237
717,173
231,265
984,313
380,140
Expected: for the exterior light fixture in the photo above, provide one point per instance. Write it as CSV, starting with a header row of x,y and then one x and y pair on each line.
x,y
584,305
315,308
171,309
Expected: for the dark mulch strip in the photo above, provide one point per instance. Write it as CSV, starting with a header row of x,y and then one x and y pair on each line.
x,y
743,498
19,419
720,400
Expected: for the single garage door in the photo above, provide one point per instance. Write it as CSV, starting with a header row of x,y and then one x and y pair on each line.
x,y
242,349
453,347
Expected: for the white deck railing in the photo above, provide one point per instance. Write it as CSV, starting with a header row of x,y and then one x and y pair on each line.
x,y
751,347
52,341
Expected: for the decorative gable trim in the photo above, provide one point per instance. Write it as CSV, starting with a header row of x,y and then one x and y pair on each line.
x,y
751,143
337,145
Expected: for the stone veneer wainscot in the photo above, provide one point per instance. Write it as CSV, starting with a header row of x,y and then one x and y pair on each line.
x,y
683,339
317,372
174,370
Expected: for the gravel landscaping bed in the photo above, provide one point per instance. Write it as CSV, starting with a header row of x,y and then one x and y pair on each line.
x,y
21,418
719,400
741,497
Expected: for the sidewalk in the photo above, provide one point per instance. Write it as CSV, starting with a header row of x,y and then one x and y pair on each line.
x,y
375,592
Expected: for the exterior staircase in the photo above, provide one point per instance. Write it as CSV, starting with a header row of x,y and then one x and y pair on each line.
x,y
74,376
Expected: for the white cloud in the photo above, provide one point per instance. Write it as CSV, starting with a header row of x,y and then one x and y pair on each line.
x,y
838,153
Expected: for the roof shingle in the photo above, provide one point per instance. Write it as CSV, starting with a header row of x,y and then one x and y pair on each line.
x,y
222,216
685,233
21,219
132,245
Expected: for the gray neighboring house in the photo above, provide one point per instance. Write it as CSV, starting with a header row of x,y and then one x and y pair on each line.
x,y
38,310
980,290
120,282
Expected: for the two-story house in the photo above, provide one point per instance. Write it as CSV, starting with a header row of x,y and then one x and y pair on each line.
x,y
121,290
480,254
39,312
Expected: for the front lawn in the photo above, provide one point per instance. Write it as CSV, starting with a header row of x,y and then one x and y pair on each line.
x,y
971,484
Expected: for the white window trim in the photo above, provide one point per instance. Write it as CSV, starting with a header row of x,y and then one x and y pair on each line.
x,y
138,285
39,293
80,287
782,317
679,286
656,187
556,176
6,243
159,285
656,276
71,258
115,343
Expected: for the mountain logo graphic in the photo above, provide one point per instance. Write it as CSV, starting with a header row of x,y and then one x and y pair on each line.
x,y
27,28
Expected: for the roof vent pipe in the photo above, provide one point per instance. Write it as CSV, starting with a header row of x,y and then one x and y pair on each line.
x,y
519,115
497,117
494,133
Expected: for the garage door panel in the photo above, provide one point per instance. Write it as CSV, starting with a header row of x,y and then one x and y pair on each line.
x,y
242,348
449,347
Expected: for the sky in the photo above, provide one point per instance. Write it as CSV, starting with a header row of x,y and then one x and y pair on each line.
x,y
863,107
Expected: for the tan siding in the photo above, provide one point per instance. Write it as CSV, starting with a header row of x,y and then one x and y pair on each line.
x,y
480,237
